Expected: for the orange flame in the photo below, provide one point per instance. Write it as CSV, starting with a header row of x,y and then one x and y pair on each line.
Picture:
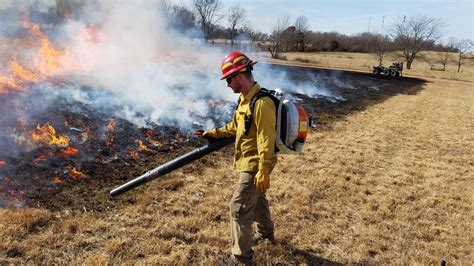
x,y
57,180
141,146
8,82
70,151
75,173
150,135
40,158
111,125
22,73
133,154
47,63
47,134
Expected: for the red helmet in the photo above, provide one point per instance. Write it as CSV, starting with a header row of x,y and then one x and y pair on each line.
x,y
235,62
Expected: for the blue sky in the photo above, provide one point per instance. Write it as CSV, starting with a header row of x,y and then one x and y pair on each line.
x,y
351,16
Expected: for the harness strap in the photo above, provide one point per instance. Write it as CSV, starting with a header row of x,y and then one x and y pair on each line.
x,y
260,94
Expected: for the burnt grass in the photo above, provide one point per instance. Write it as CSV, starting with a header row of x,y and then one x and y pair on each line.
x,y
106,165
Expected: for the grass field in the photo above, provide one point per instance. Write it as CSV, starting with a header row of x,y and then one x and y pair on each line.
x,y
392,184
424,65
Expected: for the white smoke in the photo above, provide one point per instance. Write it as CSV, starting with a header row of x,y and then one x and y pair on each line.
x,y
152,73
152,67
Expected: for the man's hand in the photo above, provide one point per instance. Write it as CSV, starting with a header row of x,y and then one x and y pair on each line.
x,y
208,133
262,179
211,133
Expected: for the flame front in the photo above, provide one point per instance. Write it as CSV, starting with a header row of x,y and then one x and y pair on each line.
x,y
46,134
47,63
48,58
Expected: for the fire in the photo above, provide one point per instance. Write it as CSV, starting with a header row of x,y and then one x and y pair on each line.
x,y
70,151
8,82
2,163
111,127
141,146
40,158
75,173
150,135
48,58
22,73
48,62
46,134
57,180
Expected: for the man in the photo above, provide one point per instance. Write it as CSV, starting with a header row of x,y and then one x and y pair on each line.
x,y
254,158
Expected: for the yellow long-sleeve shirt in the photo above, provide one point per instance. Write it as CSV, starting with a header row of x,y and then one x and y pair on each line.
x,y
256,149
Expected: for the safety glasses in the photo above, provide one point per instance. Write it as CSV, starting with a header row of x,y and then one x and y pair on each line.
x,y
229,79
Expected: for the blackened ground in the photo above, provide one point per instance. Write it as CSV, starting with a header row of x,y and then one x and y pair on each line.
x,y
108,166
352,91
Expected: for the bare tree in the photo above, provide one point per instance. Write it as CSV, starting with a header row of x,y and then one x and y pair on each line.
x,y
414,35
277,36
302,29
183,18
288,38
207,12
380,45
462,47
178,17
235,18
443,59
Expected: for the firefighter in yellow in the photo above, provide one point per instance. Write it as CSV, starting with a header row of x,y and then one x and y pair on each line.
x,y
254,158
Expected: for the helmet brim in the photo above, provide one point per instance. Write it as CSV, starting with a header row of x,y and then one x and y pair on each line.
x,y
235,70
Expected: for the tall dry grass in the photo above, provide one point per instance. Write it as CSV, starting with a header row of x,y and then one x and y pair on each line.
x,y
390,185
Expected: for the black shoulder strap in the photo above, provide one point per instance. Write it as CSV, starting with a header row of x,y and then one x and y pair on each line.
x,y
260,94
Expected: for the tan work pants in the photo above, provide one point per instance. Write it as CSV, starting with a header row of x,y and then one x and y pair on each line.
x,y
248,205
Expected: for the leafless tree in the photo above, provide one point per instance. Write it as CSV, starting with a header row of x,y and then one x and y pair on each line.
x,y
236,17
288,38
183,18
443,59
277,37
380,45
254,35
414,34
207,12
302,29
462,46
178,17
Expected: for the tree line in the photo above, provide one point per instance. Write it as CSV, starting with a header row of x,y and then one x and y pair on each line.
x,y
208,19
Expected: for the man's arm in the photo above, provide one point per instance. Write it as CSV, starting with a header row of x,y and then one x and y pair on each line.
x,y
228,130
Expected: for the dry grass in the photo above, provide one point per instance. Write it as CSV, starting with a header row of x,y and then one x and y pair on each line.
x,y
363,62
390,185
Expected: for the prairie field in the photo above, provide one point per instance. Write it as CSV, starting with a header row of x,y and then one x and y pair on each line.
x,y
391,184
426,65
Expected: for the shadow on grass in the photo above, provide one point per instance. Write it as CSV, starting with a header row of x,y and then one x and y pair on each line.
x,y
308,257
